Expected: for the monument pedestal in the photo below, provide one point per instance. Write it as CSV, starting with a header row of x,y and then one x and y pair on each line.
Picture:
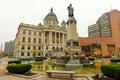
x,y
73,63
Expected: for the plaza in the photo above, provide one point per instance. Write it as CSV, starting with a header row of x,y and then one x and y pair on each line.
x,y
4,75
53,51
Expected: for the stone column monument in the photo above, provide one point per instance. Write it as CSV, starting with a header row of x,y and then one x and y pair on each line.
x,y
72,44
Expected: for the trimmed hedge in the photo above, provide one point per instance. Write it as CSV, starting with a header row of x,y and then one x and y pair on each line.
x,y
115,60
91,59
14,61
18,68
111,70
39,58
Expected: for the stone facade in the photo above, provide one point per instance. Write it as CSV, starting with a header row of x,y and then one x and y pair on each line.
x,y
39,40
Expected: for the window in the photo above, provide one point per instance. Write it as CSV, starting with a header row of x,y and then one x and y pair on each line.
x,y
22,54
34,33
24,31
39,48
29,40
23,40
39,33
23,47
34,40
28,47
29,32
34,54
28,54
39,40
46,47
39,54
34,47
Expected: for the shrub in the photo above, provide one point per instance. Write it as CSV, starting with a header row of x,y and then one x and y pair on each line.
x,y
115,60
14,61
109,70
18,68
39,58
91,59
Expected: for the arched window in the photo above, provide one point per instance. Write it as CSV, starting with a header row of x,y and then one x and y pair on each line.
x,y
57,49
39,54
53,48
61,49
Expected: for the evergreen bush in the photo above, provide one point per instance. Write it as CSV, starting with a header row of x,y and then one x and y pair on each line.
x,y
18,68
115,60
14,61
112,70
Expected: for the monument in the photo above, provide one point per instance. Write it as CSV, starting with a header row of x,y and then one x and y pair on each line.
x,y
72,43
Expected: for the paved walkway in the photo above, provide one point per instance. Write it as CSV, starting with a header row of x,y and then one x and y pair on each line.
x,y
41,76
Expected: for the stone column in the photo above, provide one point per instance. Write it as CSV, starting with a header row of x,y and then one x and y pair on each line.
x,y
59,37
55,38
63,39
43,39
50,37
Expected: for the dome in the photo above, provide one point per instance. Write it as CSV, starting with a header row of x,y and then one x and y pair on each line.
x,y
51,16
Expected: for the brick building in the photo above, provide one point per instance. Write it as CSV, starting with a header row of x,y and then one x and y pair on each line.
x,y
104,35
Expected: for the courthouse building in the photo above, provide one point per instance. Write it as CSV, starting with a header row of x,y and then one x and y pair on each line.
x,y
41,39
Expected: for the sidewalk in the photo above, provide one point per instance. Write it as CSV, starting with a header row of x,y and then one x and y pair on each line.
x,y
39,77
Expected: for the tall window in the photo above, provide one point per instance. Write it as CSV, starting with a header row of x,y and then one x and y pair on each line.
x,y
23,47
39,54
34,54
28,54
29,40
29,32
46,47
39,40
34,40
24,31
28,47
34,33
39,48
22,54
34,47
23,40
39,33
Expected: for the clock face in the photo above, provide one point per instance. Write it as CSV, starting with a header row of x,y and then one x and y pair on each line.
x,y
71,21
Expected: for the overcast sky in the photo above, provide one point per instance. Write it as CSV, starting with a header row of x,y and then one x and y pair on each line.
x,y
14,12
